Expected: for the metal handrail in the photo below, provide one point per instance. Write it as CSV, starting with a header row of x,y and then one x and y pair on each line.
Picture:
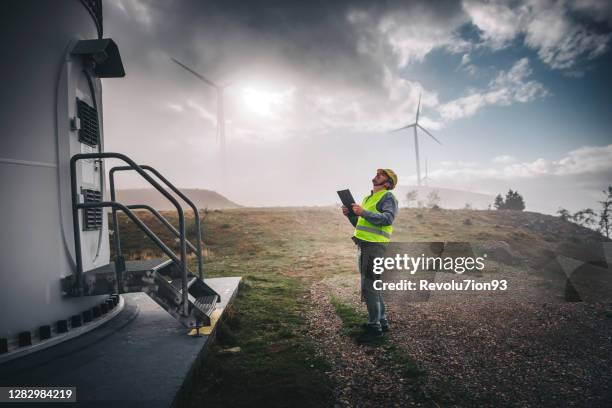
x,y
126,209
161,219
196,213
77,231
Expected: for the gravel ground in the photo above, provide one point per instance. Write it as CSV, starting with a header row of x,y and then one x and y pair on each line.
x,y
511,351
362,374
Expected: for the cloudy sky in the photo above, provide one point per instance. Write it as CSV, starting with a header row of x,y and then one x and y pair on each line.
x,y
518,92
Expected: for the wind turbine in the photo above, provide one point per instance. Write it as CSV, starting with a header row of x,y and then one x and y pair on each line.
x,y
426,178
416,125
220,112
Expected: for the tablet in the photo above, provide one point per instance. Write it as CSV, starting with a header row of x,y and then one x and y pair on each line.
x,y
347,199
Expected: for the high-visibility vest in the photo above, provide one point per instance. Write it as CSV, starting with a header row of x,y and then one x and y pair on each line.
x,y
367,231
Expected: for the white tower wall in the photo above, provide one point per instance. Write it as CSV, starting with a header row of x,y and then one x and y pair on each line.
x,y
40,84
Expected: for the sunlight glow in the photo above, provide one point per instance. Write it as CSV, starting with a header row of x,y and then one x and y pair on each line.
x,y
264,103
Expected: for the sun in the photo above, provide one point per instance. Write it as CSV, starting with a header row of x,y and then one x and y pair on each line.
x,y
262,103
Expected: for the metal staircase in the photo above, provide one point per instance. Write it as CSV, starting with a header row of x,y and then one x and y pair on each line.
x,y
167,281
168,293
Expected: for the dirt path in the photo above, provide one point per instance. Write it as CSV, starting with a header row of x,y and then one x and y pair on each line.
x,y
363,374
481,353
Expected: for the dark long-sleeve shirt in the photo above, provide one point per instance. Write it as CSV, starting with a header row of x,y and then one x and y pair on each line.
x,y
387,207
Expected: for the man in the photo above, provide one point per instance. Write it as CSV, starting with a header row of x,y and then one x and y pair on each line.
x,y
373,231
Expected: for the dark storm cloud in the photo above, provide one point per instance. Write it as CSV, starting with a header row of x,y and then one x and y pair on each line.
x,y
317,39
314,82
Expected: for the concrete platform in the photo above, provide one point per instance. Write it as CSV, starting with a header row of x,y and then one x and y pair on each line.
x,y
141,358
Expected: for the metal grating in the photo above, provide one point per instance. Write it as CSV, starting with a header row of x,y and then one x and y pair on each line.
x,y
92,217
89,131
94,8
206,304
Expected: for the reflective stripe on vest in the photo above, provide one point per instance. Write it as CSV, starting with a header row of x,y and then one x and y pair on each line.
x,y
367,231
373,230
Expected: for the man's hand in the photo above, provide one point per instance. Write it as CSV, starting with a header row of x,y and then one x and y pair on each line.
x,y
357,209
345,210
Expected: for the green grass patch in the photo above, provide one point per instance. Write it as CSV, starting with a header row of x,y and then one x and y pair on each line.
x,y
351,318
276,366
352,321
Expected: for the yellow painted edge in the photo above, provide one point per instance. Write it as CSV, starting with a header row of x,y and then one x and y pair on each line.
x,y
206,330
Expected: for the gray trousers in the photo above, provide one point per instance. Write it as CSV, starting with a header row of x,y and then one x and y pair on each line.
x,y
372,298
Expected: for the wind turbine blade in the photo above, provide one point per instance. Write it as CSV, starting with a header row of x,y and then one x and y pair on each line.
x,y
426,131
200,76
405,127
418,109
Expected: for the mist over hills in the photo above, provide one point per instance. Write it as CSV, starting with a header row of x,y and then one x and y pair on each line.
x,y
201,198
449,198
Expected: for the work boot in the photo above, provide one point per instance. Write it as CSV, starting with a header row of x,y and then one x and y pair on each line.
x,y
383,327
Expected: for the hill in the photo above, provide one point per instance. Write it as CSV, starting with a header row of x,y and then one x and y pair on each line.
x,y
299,306
201,198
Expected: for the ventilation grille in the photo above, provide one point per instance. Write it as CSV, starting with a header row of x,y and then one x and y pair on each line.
x,y
89,133
92,217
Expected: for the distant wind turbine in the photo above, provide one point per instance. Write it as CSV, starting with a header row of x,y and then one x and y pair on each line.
x,y
416,125
220,112
426,178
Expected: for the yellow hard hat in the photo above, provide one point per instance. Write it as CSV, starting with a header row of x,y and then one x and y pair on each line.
x,y
391,174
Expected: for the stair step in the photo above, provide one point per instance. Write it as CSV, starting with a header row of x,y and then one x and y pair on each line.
x,y
200,289
178,283
167,290
206,304
160,279
169,295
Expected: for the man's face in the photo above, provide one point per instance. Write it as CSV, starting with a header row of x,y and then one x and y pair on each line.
x,y
380,178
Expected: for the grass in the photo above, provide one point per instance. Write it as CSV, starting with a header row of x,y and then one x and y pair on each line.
x,y
351,318
276,366
279,253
